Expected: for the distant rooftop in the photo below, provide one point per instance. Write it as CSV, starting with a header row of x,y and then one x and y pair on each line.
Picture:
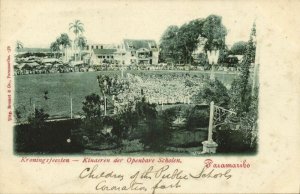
x,y
131,44
104,51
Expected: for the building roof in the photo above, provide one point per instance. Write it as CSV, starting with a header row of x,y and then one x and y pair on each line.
x,y
131,44
104,51
34,50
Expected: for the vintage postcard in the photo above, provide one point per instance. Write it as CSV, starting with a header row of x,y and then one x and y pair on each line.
x,y
149,96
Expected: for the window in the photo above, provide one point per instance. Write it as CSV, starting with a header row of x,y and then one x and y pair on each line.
x,y
97,47
101,47
107,56
112,57
92,47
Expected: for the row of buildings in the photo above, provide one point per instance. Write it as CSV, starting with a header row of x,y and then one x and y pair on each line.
x,y
128,52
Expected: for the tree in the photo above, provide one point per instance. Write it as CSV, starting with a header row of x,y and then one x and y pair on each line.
x,y
64,41
168,45
54,47
19,45
38,118
77,28
241,88
178,43
188,35
215,32
213,91
239,48
91,106
243,101
81,43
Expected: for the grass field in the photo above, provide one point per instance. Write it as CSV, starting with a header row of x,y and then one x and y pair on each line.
x,y
29,89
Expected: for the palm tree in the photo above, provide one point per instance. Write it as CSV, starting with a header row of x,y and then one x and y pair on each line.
x,y
19,45
77,28
81,43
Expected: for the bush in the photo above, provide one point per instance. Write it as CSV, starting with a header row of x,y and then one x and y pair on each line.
x,y
234,141
213,91
157,134
51,138
132,146
91,106
198,117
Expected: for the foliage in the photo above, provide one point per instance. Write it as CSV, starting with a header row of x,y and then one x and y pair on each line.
x,y
77,27
64,40
124,121
239,48
244,138
244,101
168,45
213,91
233,141
132,146
241,88
188,35
51,138
157,133
215,32
81,42
104,83
20,112
38,118
201,59
240,99
91,127
197,117
54,47
91,106
19,45
177,44
145,110
127,120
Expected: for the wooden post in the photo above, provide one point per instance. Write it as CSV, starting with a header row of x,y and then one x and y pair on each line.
x,y
71,108
211,120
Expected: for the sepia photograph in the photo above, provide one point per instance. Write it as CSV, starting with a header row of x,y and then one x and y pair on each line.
x,y
186,86
128,96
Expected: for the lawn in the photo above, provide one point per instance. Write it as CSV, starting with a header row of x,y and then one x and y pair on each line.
x,y
29,89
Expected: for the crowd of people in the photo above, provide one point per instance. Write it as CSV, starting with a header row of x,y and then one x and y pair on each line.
x,y
159,89
38,65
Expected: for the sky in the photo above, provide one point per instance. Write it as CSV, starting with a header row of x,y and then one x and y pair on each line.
x,y
112,21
